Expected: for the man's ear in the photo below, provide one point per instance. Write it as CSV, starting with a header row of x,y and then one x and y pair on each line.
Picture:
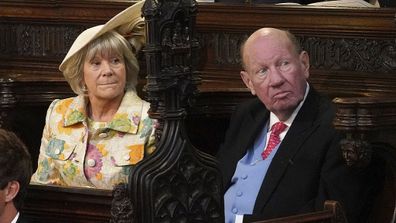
x,y
11,190
304,58
248,82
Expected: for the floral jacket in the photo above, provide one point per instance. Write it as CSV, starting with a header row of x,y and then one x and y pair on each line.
x,y
73,154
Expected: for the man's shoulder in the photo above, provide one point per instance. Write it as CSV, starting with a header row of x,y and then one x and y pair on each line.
x,y
251,105
322,102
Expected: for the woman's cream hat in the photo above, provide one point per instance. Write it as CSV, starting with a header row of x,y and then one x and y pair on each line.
x,y
123,23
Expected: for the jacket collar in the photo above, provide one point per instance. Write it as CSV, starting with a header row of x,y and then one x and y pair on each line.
x,y
126,119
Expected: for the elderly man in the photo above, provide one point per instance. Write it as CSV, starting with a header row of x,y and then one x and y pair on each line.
x,y
281,154
15,173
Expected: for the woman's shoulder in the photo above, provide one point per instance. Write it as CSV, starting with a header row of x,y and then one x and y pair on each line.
x,y
132,99
61,105
63,102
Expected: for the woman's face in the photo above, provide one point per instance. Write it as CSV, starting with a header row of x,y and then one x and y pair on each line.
x,y
105,76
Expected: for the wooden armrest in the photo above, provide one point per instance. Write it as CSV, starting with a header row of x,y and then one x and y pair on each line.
x,y
45,203
331,213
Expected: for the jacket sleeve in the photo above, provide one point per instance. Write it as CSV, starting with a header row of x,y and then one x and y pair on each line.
x,y
46,172
150,125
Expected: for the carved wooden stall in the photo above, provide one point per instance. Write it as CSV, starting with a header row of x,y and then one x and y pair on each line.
x,y
370,127
352,51
178,183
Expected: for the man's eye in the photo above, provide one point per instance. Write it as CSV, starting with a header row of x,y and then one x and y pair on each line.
x,y
262,72
284,65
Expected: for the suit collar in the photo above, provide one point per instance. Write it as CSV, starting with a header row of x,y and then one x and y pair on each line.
x,y
253,124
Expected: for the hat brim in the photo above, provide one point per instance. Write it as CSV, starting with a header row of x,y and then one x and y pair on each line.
x,y
131,15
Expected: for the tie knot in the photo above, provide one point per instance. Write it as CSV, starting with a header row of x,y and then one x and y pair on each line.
x,y
278,127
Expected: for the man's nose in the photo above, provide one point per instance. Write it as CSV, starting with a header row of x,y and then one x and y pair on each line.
x,y
276,77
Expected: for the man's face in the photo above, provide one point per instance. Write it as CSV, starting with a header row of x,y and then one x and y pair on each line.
x,y
275,72
7,208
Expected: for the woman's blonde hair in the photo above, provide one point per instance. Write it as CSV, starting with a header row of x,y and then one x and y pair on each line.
x,y
109,42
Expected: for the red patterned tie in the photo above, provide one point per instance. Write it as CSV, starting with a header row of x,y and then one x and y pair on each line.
x,y
274,139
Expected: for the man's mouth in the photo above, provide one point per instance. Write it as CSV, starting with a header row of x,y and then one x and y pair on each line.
x,y
281,94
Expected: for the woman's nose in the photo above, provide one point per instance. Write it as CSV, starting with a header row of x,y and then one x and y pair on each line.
x,y
106,68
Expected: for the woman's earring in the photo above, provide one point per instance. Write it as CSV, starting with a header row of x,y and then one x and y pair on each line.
x,y
84,88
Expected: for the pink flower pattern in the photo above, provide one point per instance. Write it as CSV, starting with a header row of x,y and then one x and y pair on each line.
x,y
94,154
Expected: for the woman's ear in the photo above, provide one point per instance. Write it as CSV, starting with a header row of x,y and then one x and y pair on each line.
x,y
11,190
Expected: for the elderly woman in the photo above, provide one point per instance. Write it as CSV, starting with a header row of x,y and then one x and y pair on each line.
x,y
90,140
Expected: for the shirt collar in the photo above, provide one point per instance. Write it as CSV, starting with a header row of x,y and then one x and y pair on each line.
x,y
126,119
15,218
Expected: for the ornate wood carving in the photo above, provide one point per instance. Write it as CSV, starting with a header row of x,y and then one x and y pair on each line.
x,y
177,183
362,119
121,207
333,54
351,54
37,40
7,103
225,46
369,124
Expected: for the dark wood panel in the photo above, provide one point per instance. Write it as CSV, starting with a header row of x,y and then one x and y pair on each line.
x,y
67,205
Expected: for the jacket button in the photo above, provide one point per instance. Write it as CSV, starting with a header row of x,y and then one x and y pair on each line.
x,y
127,157
91,162
103,135
234,210
57,151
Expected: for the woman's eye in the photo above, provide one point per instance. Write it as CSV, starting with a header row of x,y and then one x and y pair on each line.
x,y
116,60
95,63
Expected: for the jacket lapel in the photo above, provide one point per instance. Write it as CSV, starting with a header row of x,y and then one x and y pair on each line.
x,y
251,125
301,128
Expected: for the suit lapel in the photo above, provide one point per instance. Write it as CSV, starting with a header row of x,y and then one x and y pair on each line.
x,y
251,125
301,128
